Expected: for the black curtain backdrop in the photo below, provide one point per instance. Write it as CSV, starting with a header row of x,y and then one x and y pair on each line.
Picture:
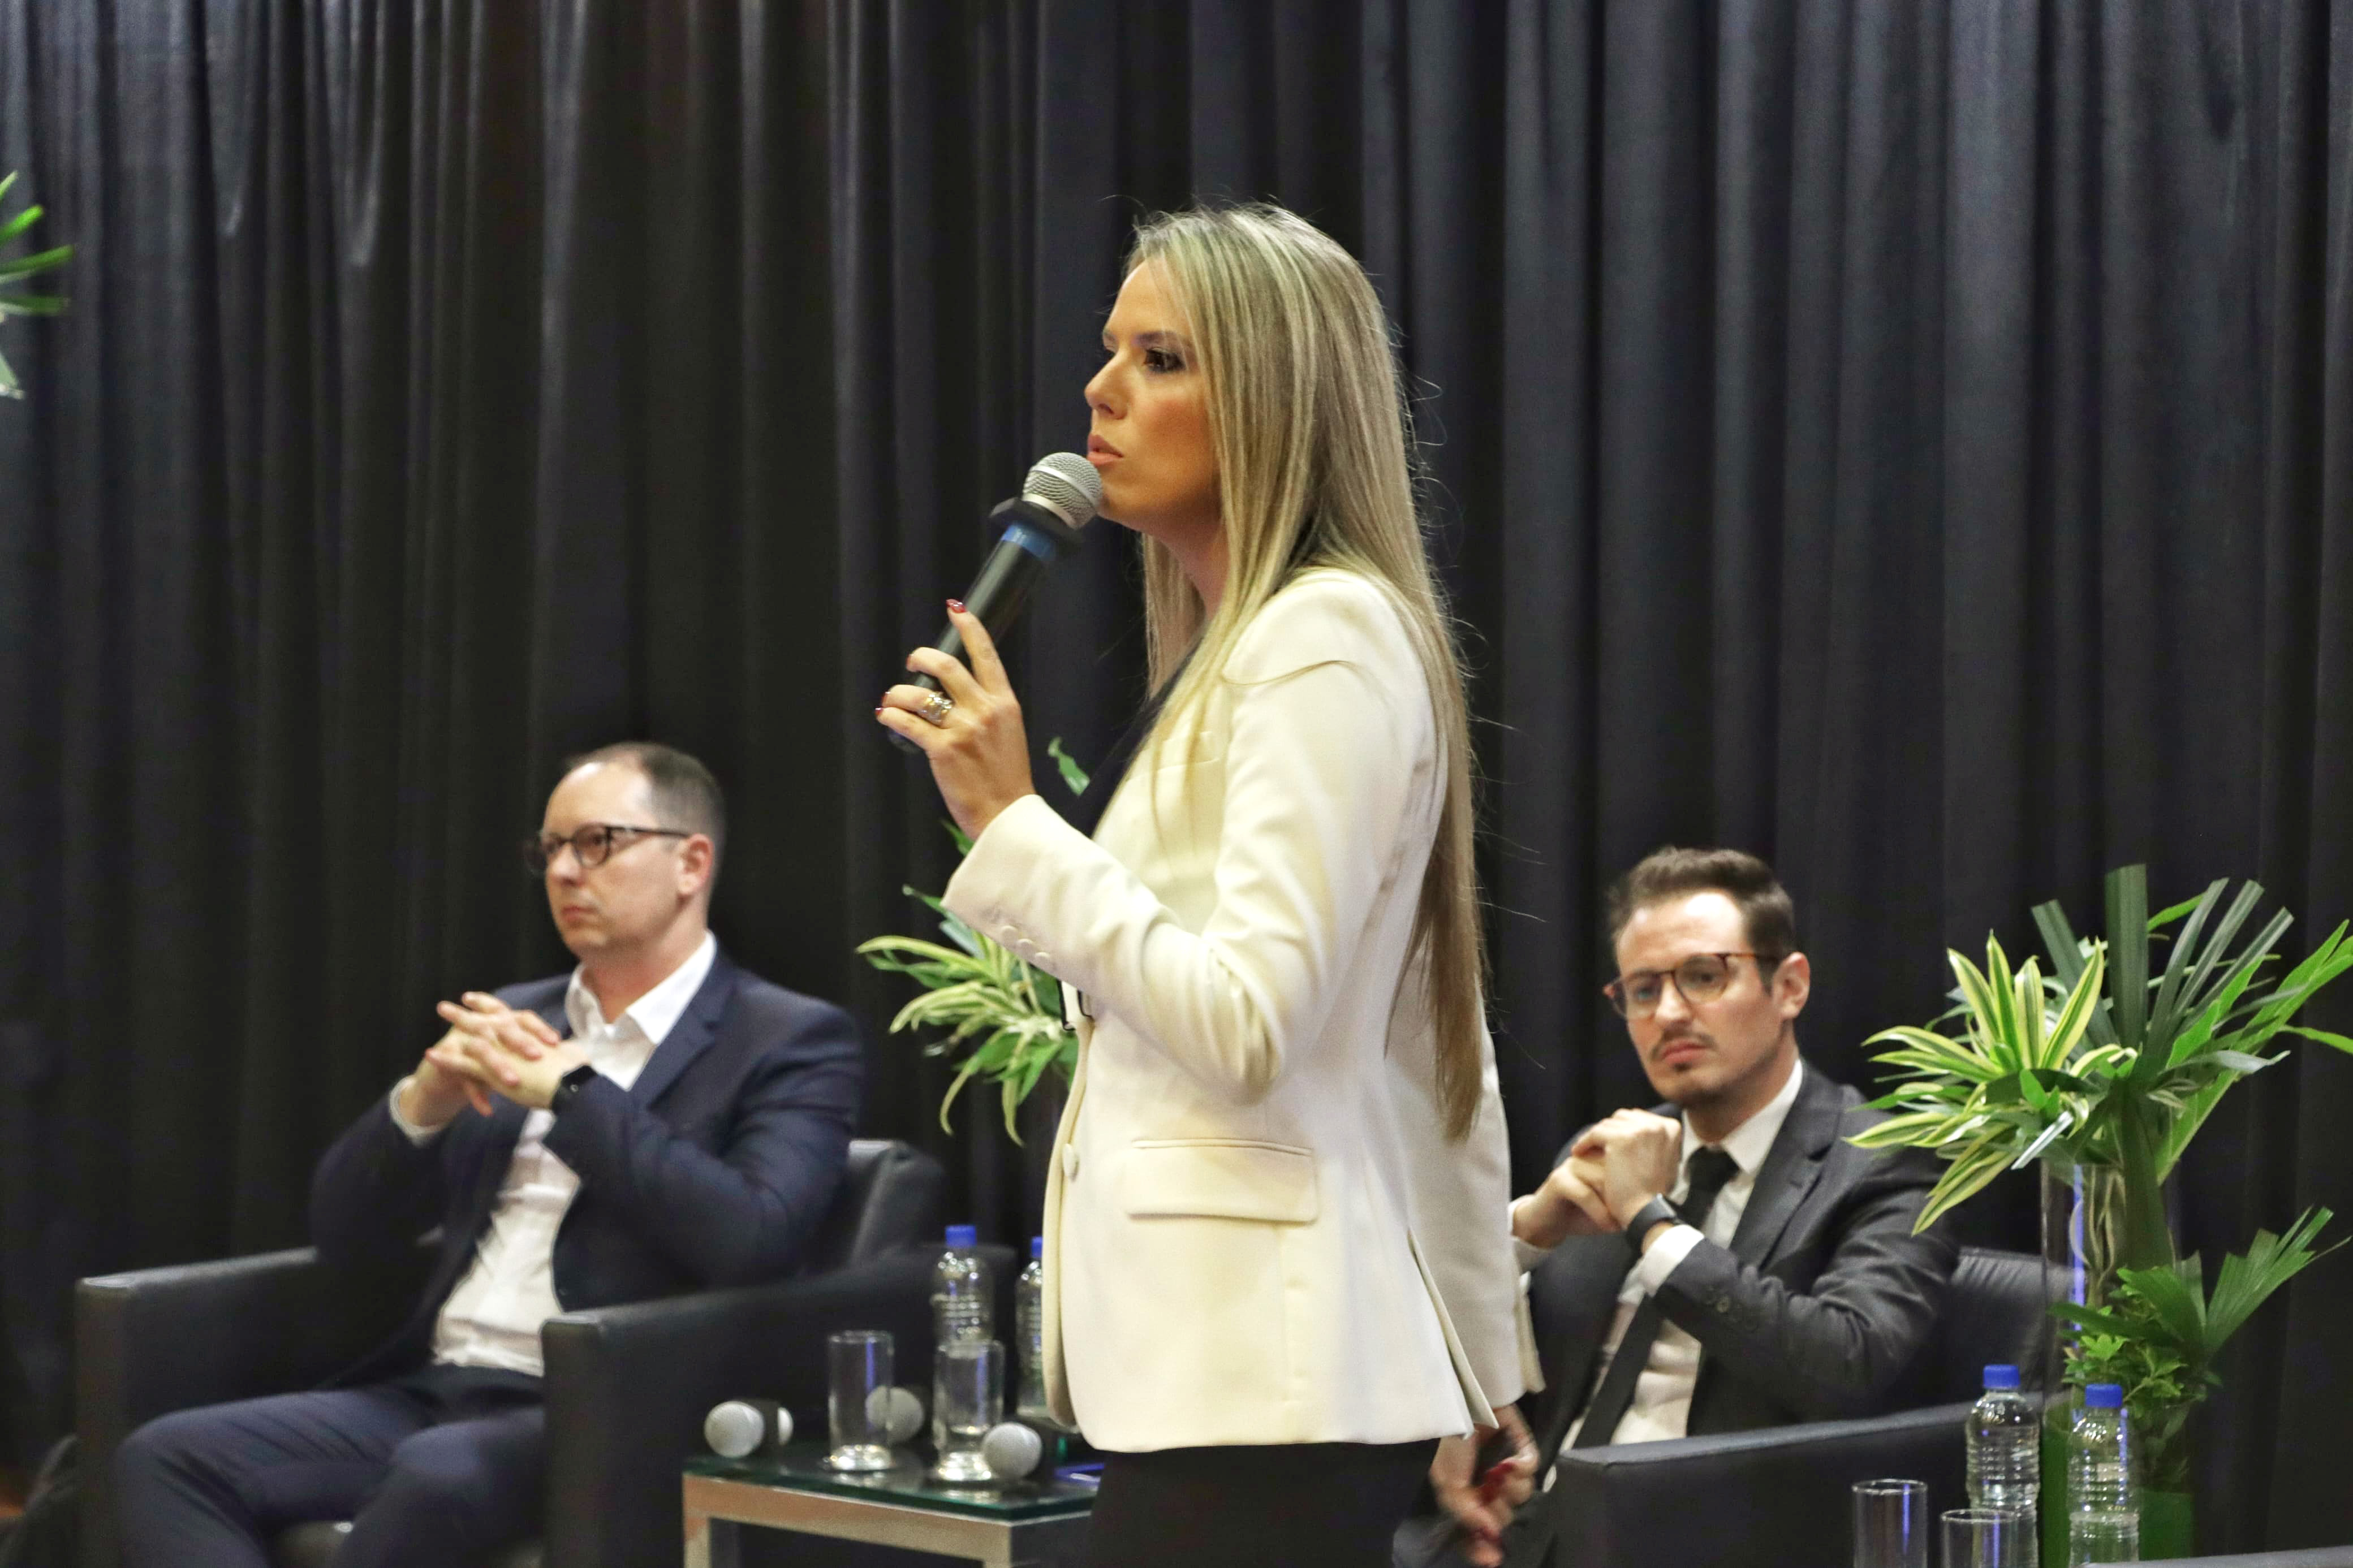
x,y
1913,442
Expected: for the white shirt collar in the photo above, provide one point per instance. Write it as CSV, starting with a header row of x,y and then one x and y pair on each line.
x,y
1749,1143
656,1013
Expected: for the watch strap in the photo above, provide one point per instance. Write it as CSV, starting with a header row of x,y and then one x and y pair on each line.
x,y
569,1087
1657,1211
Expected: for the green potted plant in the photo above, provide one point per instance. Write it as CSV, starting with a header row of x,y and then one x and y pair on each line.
x,y
1002,1018
14,300
2104,1072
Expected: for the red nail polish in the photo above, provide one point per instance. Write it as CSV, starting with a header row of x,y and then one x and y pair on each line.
x,y
956,604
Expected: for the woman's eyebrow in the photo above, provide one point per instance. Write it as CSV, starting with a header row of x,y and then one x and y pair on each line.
x,y
1156,339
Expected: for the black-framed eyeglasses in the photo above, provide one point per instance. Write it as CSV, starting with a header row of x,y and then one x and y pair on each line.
x,y
592,844
1702,977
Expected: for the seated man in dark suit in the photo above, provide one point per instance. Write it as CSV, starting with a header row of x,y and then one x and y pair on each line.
x,y
657,1121
1728,1261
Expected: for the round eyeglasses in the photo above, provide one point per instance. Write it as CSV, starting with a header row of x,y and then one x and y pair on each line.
x,y
1702,977
592,844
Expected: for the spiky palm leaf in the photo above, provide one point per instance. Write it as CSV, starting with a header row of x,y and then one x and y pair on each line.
x,y
1001,1017
2112,1065
13,301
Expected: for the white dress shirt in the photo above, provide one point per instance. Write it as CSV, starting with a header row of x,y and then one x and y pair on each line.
x,y
492,1318
1662,1393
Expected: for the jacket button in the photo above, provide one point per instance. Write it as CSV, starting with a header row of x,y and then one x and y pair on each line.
x,y
1042,958
1070,1162
1723,1305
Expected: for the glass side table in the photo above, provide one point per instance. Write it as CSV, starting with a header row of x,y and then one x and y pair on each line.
x,y
1042,1523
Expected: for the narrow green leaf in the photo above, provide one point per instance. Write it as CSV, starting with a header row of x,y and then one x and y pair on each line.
x,y
2068,960
2323,1036
1074,777
2178,964
2186,1123
40,261
2246,1281
2217,949
2128,897
20,223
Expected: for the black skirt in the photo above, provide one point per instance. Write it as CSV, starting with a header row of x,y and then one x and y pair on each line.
x,y
1309,1505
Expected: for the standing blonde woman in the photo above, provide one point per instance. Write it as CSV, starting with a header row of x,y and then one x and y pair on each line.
x,y
1278,1261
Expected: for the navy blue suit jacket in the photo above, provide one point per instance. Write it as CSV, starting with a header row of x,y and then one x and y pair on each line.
x,y
714,1169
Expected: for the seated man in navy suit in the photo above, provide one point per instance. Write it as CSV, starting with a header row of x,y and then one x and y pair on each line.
x,y
659,1121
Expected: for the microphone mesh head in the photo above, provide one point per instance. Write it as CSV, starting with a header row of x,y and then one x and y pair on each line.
x,y
1066,484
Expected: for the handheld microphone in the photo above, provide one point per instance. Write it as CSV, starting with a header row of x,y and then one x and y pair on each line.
x,y
736,1427
1041,525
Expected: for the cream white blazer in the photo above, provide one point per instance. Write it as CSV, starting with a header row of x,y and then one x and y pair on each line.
x,y
1255,1231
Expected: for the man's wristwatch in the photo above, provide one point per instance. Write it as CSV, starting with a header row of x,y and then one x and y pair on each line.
x,y
569,1088
1657,1211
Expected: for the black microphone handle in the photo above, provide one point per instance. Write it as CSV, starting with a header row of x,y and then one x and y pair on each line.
x,y
1033,539
998,596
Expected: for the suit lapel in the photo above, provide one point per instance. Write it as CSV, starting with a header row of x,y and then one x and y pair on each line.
x,y
1086,814
690,1037
1790,1169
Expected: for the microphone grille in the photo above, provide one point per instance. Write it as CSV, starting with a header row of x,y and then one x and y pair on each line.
x,y
1067,484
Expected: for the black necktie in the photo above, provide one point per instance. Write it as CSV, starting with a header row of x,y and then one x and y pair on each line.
x,y
1710,1169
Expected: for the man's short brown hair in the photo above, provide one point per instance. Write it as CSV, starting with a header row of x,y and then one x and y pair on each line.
x,y
1770,919
686,796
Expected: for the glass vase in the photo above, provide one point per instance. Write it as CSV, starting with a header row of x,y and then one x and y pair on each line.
x,y
2083,1248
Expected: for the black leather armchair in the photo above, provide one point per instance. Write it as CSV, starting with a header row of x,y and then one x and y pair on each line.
x,y
626,1386
1779,1496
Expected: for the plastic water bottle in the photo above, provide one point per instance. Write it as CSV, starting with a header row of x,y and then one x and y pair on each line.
x,y
963,1308
2003,1435
2102,1514
1030,1326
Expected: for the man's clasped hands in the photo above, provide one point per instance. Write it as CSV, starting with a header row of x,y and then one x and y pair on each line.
x,y
490,1048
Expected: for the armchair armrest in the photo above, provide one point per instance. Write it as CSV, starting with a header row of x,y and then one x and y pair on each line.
x,y
165,1339
1775,1496
628,1388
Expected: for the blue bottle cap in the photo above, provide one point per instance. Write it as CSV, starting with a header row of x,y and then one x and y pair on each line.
x,y
963,1235
2001,1374
1037,1249
2105,1396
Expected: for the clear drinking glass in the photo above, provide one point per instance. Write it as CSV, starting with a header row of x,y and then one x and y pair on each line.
x,y
1891,1524
968,1399
1988,1538
857,1364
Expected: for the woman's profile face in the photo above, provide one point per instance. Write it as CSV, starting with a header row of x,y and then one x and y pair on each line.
x,y
1150,436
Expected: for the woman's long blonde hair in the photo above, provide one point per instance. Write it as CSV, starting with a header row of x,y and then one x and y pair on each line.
x,y
1315,468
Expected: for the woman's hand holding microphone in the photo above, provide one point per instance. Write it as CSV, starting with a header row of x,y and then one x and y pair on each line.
x,y
970,729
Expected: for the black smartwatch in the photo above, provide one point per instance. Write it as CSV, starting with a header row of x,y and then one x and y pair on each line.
x,y
1657,1211
569,1088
